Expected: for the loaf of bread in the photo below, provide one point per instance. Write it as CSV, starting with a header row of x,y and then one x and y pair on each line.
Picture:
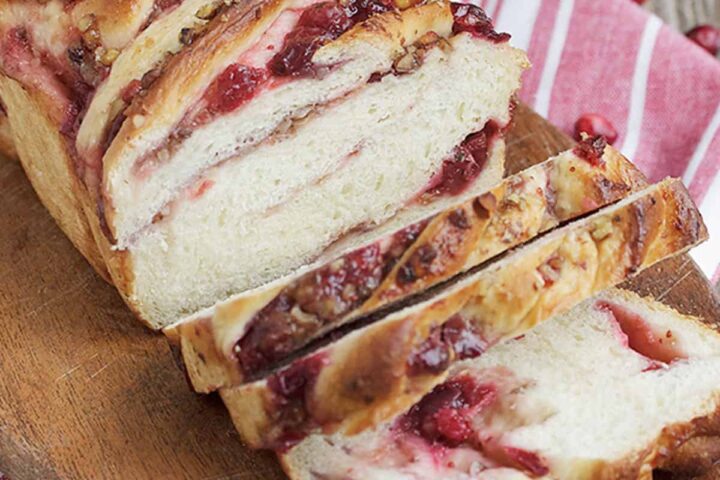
x,y
608,390
255,330
374,372
215,146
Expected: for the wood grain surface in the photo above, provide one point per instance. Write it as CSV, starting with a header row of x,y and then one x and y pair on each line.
x,y
86,392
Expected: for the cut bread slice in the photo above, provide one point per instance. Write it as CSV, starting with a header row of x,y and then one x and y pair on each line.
x,y
255,330
213,103
608,390
373,373
350,164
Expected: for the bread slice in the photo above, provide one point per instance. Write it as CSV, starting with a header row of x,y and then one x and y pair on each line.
x,y
300,146
373,373
608,390
279,203
255,330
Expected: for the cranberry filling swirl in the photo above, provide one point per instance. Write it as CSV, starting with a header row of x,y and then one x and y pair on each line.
x,y
240,82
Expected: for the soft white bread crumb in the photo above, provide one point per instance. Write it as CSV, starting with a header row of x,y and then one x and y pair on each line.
x,y
276,208
137,198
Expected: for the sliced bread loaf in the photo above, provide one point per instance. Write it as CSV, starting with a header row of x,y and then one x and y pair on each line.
x,y
373,373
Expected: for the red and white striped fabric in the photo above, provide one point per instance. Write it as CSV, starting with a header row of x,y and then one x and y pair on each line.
x,y
658,89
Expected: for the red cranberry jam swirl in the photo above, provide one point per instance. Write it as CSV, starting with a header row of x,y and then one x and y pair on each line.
x,y
444,415
452,415
465,164
291,387
238,83
456,339
319,24
317,299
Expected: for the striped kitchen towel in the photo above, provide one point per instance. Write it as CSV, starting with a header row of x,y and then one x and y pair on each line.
x,y
658,89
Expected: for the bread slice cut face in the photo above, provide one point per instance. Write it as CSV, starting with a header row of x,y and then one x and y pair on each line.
x,y
215,146
607,390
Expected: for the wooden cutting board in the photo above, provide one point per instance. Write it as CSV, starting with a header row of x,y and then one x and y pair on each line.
x,y
87,392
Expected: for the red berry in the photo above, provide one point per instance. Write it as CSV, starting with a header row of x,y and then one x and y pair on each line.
x,y
639,2
593,125
707,37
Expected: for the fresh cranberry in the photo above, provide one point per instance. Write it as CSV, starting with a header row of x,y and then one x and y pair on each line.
x,y
444,415
591,150
469,158
233,87
472,19
707,37
595,125
292,382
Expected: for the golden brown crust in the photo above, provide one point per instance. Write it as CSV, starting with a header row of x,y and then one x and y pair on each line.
x,y
509,297
117,21
145,53
693,458
688,450
532,202
45,159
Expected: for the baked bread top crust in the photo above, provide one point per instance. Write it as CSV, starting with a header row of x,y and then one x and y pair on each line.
x,y
373,373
